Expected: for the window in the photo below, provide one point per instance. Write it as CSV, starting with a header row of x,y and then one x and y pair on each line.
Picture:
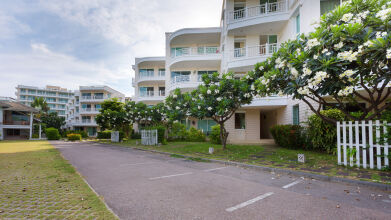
x,y
180,76
146,91
31,92
328,5
41,92
146,73
240,121
295,115
162,91
298,24
162,72
98,95
205,125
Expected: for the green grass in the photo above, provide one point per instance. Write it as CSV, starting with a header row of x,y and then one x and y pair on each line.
x,y
269,156
36,182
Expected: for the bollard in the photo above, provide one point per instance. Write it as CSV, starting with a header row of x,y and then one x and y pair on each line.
x,y
211,150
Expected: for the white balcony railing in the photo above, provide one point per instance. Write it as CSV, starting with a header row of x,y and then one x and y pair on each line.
x,y
88,110
254,51
99,97
194,51
147,94
184,81
260,10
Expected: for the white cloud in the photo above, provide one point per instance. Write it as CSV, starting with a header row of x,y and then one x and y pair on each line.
x,y
11,27
41,66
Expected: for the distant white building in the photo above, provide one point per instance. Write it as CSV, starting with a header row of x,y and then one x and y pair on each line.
x,y
85,105
56,97
250,31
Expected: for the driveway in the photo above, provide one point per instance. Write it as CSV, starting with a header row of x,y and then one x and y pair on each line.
x,y
142,185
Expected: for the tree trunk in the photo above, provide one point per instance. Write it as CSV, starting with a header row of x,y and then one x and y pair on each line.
x,y
223,135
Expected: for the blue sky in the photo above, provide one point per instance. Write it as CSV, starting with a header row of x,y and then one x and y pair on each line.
x,y
89,42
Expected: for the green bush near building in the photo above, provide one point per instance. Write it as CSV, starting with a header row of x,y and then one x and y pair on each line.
x,y
214,135
195,135
52,134
289,136
104,134
74,137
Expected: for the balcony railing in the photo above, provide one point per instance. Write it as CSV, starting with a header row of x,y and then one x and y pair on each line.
x,y
184,81
254,51
260,10
15,123
194,51
89,109
92,97
147,94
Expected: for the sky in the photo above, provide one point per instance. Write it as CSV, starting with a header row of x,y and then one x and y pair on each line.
x,y
89,42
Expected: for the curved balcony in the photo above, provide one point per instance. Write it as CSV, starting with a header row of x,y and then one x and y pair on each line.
x,y
185,82
244,59
275,14
151,78
151,96
195,56
268,102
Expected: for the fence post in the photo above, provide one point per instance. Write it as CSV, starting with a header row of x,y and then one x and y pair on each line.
x,y
378,151
370,145
339,142
385,131
345,160
364,145
350,143
357,144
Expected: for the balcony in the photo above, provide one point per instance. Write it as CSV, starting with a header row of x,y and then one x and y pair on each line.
x,y
268,102
247,57
92,99
191,56
15,124
89,110
151,96
185,82
275,13
84,122
151,78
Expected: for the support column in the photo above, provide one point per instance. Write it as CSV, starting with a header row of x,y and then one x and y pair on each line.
x,y
31,124
40,131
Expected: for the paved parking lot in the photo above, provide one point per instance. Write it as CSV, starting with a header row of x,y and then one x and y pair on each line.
x,y
143,185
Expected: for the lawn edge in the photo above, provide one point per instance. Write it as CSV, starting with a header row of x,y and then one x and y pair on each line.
x,y
86,182
381,186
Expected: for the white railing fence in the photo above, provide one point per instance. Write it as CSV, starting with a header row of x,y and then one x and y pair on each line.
x,y
363,143
149,137
259,10
254,51
194,51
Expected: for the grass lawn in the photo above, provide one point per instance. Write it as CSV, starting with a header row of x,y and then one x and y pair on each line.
x,y
270,156
37,183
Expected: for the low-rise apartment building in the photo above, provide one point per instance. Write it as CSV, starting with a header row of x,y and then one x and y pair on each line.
x,y
250,31
85,105
56,97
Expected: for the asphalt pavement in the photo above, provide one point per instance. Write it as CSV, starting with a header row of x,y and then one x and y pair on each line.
x,y
143,185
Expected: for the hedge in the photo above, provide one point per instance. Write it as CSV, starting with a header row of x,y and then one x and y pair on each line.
x,y
52,134
214,135
74,137
104,134
288,136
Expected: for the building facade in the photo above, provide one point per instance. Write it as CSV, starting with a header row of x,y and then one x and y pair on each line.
x,y
85,105
250,31
56,97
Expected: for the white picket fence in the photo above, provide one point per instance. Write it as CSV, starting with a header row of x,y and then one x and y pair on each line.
x,y
364,143
149,137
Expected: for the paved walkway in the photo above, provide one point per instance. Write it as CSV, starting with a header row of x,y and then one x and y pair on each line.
x,y
144,185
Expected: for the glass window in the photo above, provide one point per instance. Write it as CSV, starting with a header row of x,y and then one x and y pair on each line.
x,y
328,5
146,72
295,115
181,75
162,91
205,125
31,92
146,91
162,72
298,24
240,121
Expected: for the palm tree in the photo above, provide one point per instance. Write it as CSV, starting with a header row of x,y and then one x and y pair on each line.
x,y
40,104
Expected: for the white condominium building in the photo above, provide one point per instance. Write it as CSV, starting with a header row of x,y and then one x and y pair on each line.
x,y
85,105
56,97
250,31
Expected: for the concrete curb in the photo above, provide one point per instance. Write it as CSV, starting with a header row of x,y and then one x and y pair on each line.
x,y
279,170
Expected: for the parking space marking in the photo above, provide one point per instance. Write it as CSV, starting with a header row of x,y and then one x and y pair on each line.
x,y
174,175
134,164
219,168
249,202
292,184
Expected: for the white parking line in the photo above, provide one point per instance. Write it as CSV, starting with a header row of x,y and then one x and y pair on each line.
x,y
134,164
162,177
292,184
219,168
249,202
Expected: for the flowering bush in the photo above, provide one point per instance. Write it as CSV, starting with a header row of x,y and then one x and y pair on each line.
x,y
218,98
178,106
74,137
346,59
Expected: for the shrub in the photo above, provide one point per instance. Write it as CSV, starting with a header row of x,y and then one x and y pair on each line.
x,y
74,137
136,135
288,136
104,134
215,135
161,130
196,135
322,135
83,134
178,132
52,134
35,136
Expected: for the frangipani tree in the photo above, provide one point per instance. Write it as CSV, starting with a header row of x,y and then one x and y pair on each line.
x,y
347,58
218,98
177,106
113,116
